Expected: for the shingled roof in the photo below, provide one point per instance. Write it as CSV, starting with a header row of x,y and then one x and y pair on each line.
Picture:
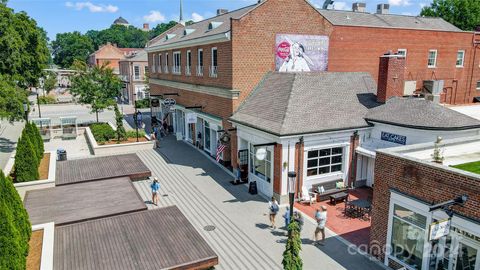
x,y
301,103
420,114
350,18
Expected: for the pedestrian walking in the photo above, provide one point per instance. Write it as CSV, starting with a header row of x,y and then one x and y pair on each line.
x,y
286,217
155,186
321,218
273,208
153,138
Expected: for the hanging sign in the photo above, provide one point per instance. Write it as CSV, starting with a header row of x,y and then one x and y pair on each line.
x,y
394,138
169,102
261,153
439,229
191,118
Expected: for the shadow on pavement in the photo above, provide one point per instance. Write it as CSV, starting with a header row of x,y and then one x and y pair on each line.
x,y
6,145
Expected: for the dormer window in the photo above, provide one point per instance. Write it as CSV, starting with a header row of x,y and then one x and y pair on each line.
x,y
214,25
169,36
188,31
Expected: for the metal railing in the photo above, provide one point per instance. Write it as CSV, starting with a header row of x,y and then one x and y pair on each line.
x,y
213,72
199,70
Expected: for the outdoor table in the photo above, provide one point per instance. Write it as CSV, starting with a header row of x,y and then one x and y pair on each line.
x,y
361,205
341,196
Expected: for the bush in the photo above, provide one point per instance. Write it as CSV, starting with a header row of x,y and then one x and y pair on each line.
x,y
26,161
143,103
102,132
15,228
133,134
36,139
47,100
40,145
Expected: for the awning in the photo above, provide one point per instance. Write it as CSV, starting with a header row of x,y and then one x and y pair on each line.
x,y
476,99
365,152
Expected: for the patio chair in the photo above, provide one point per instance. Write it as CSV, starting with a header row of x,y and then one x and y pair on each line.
x,y
308,196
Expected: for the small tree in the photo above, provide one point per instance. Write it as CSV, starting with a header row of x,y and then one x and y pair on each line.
x,y
121,133
29,132
40,147
26,162
50,82
291,255
97,86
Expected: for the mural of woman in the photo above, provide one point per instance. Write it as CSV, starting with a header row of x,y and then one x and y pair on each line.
x,y
297,60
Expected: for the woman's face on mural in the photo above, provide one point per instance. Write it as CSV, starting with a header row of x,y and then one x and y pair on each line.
x,y
296,50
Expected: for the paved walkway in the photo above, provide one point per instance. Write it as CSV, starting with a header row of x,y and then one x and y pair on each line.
x,y
242,238
9,134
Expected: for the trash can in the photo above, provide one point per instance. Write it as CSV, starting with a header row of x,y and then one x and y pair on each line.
x,y
61,154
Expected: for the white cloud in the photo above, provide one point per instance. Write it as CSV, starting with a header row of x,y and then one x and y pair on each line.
x,y
341,6
402,3
92,7
407,13
197,17
154,16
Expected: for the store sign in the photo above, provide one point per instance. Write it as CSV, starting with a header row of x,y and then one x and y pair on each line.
x,y
191,118
169,102
439,229
261,153
296,53
394,138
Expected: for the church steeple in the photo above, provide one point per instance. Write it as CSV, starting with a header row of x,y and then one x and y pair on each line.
x,y
181,21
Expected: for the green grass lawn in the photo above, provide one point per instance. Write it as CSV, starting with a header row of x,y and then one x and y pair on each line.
x,y
473,167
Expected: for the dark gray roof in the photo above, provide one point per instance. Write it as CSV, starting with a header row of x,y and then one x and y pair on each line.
x,y
120,20
200,29
154,239
350,18
421,114
299,103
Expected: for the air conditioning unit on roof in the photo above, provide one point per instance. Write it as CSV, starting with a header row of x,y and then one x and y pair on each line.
x,y
409,88
434,87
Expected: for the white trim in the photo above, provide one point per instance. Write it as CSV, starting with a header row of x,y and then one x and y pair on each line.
x,y
222,37
463,59
428,58
46,261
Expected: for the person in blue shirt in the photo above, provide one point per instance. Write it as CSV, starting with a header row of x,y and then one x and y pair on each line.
x,y
286,217
155,186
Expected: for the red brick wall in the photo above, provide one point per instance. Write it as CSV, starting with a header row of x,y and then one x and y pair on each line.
x,y
253,38
299,157
420,181
224,54
358,49
391,77
277,169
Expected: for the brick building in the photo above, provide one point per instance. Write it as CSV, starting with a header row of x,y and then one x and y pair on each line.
x,y
111,54
214,64
406,230
133,73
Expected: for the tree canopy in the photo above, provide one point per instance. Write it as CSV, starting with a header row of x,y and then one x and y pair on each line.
x,y
97,86
23,47
12,98
464,14
68,47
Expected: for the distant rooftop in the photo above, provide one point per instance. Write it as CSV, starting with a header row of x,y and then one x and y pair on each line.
x,y
350,18
120,21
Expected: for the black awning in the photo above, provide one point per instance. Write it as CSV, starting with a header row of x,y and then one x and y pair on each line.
x,y
476,99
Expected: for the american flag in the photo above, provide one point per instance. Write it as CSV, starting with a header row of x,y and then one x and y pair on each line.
x,y
220,149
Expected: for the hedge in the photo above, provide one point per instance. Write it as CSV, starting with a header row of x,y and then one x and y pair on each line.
x,y
133,134
102,132
15,228
36,139
47,100
26,161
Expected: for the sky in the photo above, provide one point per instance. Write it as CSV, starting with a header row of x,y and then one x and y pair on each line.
x,y
59,16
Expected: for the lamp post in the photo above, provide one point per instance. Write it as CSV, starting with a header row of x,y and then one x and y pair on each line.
x,y
25,109
292,176
135,115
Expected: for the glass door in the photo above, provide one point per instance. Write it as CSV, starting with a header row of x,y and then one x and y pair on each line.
x,y
207,136
466,257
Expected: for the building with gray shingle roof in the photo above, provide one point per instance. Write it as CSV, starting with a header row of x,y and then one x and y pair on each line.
x,y
350,18
298,103
420,114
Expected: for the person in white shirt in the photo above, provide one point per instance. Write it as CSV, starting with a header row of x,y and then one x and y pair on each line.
x,y
273,210
321,218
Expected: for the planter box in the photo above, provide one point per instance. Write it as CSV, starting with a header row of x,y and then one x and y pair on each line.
x,y
23,187
116,149
46,262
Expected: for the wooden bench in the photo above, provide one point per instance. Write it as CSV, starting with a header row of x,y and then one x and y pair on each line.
x,y
330,189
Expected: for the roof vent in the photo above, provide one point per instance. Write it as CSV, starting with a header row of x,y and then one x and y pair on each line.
x,y
221,11
359,7
214,25
169,36
383,9
188,31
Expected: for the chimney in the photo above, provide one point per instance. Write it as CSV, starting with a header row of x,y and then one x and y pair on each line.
x,y
359,7
391,77
383,9
146,26
221,11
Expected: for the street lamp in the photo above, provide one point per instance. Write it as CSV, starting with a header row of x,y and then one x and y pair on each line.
x,y
135,116
25,109
292,176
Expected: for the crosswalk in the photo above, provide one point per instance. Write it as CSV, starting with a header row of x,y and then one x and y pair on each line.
x,y
236,250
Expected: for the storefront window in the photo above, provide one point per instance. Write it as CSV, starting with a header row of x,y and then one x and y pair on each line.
x,y
324,161
408,236
261,168
191,131
207,136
